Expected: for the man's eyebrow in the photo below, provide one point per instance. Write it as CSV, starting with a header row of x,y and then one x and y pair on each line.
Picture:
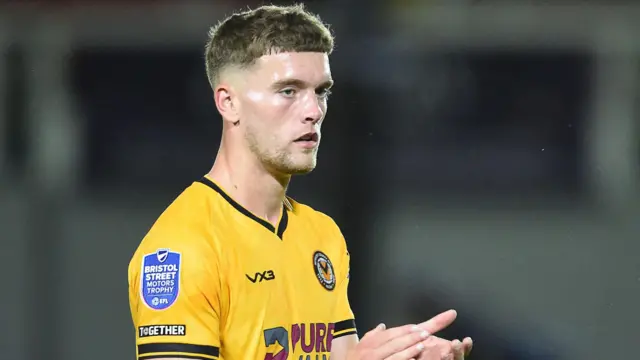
x,y
325,85
288,82
299,84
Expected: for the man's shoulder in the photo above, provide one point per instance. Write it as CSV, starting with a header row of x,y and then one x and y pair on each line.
x,y
311,214
318,220
196,209
184,225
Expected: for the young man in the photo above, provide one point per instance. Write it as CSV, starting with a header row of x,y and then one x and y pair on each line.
x,y
234,268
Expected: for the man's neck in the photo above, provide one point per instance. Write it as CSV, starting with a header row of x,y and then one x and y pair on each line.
x,y
252,186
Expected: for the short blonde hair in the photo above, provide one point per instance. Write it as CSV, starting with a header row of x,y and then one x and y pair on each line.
x,y
242,38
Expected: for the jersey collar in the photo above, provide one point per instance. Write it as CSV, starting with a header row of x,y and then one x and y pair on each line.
x,y
284,219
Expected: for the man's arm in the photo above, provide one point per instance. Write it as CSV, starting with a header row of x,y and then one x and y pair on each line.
x,y
173,293
342,346
400,343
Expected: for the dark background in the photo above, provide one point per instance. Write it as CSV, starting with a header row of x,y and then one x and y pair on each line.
x,y
478,155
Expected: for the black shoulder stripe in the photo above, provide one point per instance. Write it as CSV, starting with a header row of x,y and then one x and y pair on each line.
x,y
351,332
344,325
153,348
181,356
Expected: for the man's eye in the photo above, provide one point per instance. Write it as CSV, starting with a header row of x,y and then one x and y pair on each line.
x,y
288,92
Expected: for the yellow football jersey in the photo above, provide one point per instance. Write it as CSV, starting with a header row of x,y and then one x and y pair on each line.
x,y
211,280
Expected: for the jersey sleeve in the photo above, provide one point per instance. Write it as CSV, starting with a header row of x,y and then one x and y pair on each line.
x,y
345,323
174,295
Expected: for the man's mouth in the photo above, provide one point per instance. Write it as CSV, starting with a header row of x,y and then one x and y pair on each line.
x,y
308,137
308,141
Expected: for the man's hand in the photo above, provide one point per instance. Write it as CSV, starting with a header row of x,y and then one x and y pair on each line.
x,y
436,348
440,349
401,343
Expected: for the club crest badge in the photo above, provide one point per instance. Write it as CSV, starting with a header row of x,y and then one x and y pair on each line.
x,y
324,270
160,279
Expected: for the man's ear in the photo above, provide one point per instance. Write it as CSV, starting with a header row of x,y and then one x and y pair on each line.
x,y
227,103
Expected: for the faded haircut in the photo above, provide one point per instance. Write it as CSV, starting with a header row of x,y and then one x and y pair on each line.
x,y
242,38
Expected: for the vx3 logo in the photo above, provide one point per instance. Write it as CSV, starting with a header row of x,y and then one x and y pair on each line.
x,y
261,276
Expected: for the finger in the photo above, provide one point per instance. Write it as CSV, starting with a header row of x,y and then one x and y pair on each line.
x,y
439,321
467,345
437,348
371,333
411,341
458,351
412,353
378,339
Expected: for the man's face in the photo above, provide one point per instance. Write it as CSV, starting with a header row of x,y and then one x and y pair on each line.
x,y
283,101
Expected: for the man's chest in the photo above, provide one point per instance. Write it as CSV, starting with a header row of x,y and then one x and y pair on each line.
x,y
281,296
286,280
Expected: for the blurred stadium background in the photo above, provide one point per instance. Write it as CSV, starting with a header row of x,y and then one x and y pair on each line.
x,y
481,155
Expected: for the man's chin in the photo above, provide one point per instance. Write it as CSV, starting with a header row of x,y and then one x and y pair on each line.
x,y
301,168
304,171
298,164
